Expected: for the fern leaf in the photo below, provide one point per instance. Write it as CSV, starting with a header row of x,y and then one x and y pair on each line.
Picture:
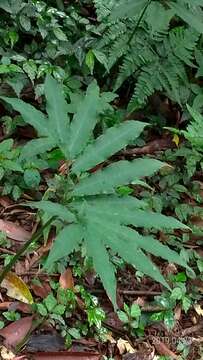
x,y
65,243
108,144
97,251
127,8
121,173
54,209
30,115
193,18
37,146
56,107
84,121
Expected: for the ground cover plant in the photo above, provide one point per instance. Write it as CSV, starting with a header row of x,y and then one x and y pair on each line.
x,y
101,160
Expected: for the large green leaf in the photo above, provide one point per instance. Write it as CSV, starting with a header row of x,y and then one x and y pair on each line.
x,y
30,115
84,120
57,109
194,19
123,241
65,243
120,173
155,247
127,8
54,209
113,140
104,268
37,146
130,215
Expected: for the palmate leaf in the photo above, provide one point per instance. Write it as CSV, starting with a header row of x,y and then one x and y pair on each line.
x,y
37,146
123,241
84,120
120,173
57,111
134,216
97,251
65,243
113,140
54,209
30,115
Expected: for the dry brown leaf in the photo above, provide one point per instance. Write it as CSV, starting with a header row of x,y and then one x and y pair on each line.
x,y
13,231
16,288
198,309
66,280
16,305
124,346
6,354
15,332
41,290
162,349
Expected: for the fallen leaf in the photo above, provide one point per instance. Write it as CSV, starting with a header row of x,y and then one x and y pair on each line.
x,y
124,346
13,231
6,354
16,288
16,305
66,279
198,309
15,332
41,290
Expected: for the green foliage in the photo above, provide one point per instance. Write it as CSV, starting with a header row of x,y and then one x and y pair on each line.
x,y
93,218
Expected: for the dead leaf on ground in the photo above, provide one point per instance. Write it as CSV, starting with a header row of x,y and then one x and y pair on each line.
x,y
124,346
16,305
13,231
6,354
66,280
16,288
15,332
41,290
198,309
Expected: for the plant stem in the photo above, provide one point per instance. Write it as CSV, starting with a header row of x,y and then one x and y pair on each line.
x,y
35,237
139,21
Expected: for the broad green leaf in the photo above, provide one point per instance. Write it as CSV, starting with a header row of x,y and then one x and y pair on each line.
x,y
84,120
113,201
32,178
120,173
54,209
6,145
57,109
194,19
123,240
36,147
30,115
65,243
113,140
97,250
155,247
127,8
134,216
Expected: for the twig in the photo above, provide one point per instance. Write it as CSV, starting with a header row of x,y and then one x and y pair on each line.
x,y
129,292
35,237
7,251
